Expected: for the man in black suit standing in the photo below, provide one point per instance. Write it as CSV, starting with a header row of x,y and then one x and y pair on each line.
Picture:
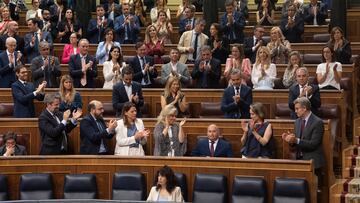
x,y
127,91
251,44
315,13
9,59
54,126
207,70
24,93
82,67
143,66
292,25
93,130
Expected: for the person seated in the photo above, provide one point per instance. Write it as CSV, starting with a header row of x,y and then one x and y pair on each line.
x,y
257,139
139,12
242,7
10,147
265,15
127,26
238,61
164,27
131,134
47,25
154,44
292,25
328,73
4,20
271,2
295,62
263,72
218,43
233,23
188,22
236,100
113,67
165,189
70,98
70,49
170,139
172,95
175,69
340,45
160,5
279,47
303,88
102,51
97,27
67,26
181,11
207,70
315,13
252,44
213,146
35,11
112,9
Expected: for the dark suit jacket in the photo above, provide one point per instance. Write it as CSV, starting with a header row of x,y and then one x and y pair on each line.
x,y
320,16
223,148
119,97
182,24
212,76
52,133
19,150
248,45
237,27
311,140
23,97
230,108
293,34
95,34
32,52
91,136
76,73
19,43
120,29
136,66
294,92
7,74
50,73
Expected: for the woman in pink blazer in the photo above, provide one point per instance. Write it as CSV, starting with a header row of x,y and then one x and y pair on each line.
x,y
70,49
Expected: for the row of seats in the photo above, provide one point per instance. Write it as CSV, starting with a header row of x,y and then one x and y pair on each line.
x,y
131,186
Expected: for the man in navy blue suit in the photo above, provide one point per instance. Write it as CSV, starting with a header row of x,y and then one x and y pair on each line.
x,y
188,23
8,61
93,130
143,66
24,93
127,91
237,98
213,146
127,26
233,23
96,27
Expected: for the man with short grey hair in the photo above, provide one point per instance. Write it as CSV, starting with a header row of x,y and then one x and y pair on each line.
x,y
9,59
54,126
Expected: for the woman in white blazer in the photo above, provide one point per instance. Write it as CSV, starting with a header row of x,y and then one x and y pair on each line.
x,y
113,67
165,188
130,133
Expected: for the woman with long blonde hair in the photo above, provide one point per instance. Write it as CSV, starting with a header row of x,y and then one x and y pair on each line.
x,y
70,99
154,45
172,95
264,72
279,47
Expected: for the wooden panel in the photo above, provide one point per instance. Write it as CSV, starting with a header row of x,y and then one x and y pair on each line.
x,y
353,25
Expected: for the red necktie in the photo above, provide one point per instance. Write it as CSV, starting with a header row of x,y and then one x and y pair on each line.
x,y
212,150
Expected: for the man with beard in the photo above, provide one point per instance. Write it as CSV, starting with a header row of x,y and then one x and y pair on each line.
x,y
54,126
94,131
13,31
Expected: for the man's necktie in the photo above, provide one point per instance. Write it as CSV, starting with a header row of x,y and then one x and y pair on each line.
x,y
212,149
83,64
195,46
12,59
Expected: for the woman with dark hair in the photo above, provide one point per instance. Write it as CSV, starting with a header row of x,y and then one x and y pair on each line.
x,y
70,99
139,12
328,73
130,133
154,45
35,11
218,43
265,14
165,188
237,60
67,26
102,52
112,68
70,49
164,27
295,62
257,139
160,5
340,45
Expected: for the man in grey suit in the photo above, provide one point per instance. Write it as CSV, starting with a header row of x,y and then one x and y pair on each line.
x,y
175,68
45,67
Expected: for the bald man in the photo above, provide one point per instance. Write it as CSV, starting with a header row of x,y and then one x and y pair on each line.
x,y
213,146
9,59
13,30
94,133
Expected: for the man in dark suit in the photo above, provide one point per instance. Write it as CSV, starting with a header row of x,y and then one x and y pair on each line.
x,y
213,146
13,29
187,23
233,23
251,44
127,91
45,67
93,130
307,138
9,59
96,27
127,26
292,25
237,98
24,93
54,126
315,13
207,71
143,66
304,89
82,67
33,38
10,148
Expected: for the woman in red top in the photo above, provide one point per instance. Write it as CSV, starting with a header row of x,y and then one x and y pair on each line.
x,y
154,45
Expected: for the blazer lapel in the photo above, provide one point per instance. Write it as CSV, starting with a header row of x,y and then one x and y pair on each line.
x,y
218,148
298,129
